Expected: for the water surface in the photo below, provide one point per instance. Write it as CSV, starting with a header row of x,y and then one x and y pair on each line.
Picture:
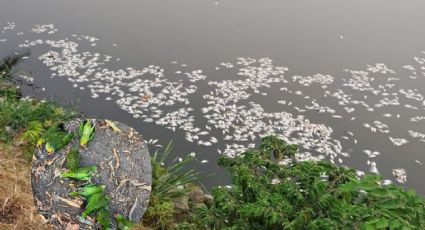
x,y
343,79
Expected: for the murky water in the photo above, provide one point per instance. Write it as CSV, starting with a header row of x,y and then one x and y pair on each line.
x,y
345,80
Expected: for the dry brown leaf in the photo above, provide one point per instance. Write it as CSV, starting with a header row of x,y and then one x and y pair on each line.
x,y
74,203
71,226
113,126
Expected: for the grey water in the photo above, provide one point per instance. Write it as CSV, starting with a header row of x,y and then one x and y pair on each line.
x,y
308,37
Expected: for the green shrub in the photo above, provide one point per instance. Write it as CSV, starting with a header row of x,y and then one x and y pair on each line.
x,y
265,194
24,119
305,195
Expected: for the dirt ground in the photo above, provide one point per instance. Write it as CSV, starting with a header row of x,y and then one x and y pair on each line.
x,y
17,208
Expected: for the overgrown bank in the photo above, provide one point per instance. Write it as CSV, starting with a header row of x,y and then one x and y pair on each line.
x,y
269,189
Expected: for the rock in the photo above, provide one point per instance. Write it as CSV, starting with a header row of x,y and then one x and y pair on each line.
x,y
10,131
196,195
123,166
208,199
198,206
181,203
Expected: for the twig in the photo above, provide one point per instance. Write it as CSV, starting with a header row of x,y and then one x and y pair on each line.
x,y
132,209
69,202
51,162
121,184
112,176
117,158
142,185
57,216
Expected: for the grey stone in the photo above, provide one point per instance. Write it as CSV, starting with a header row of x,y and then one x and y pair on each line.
x,y
10,131
196,195
128,184
181,203
208,199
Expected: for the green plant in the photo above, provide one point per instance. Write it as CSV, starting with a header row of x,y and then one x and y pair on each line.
x,y
168,183
6,67
123,223
32,133
160,213
166,179
24,119
305,195
277,147
97,201
10,92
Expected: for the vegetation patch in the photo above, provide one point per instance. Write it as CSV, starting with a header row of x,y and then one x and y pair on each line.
x,y
271,194
270,190
24,120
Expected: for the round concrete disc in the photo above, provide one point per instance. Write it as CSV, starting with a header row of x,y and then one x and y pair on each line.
x,y
123,166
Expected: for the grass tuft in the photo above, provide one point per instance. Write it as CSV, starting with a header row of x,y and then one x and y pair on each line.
x,y
24,120
168,184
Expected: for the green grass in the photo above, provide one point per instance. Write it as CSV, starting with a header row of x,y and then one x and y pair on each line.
x,y
24,120
168,184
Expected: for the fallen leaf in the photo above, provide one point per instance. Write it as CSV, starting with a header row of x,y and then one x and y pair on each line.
x,y
75,203
117,158
113,125
71,226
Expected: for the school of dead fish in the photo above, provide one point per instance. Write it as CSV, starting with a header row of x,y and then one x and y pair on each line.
x,y
230,113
